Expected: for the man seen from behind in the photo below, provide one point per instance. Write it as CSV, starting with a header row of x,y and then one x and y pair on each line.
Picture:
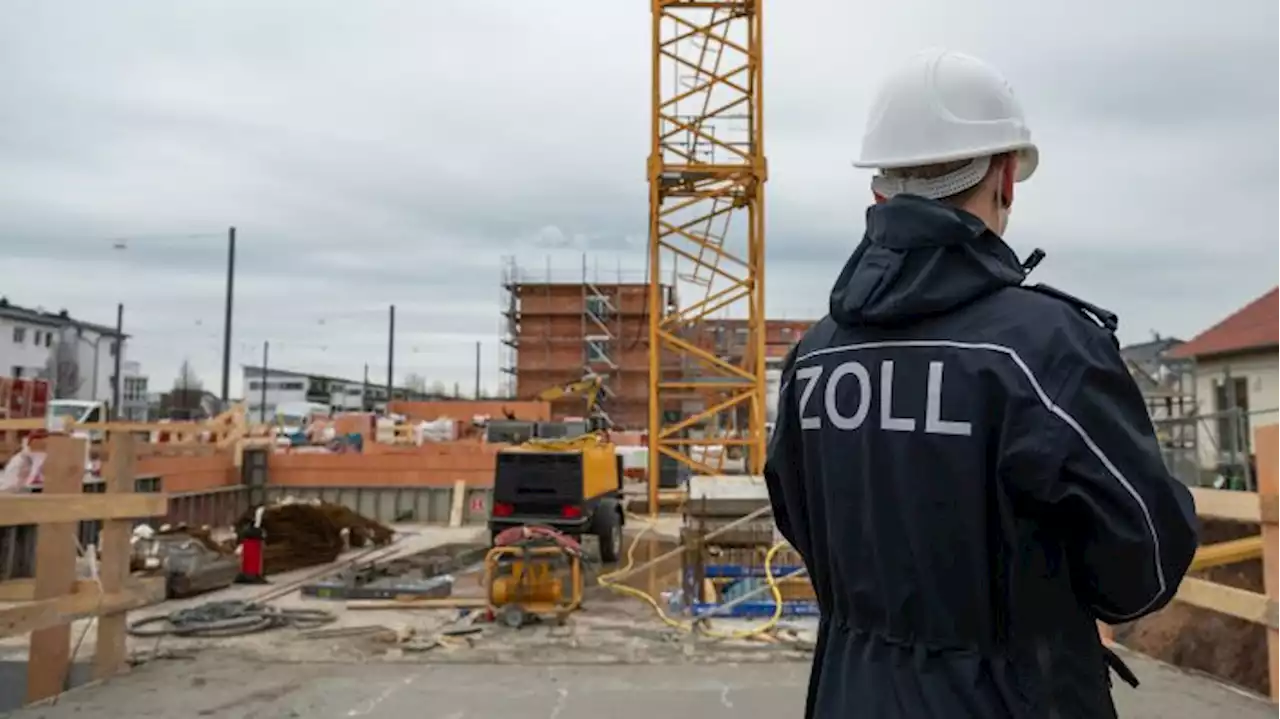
x,y
961,458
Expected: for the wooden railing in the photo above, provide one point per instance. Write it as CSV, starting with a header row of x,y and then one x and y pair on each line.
x,y
1251,507
229,431
56,596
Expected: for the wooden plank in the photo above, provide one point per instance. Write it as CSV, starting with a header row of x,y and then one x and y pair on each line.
x,y
1236,550
1250,606
109,656
459,503
86,601
438,603
170,427
1266,445
20,425
24,590
18,590
1226,504
20,509
48,662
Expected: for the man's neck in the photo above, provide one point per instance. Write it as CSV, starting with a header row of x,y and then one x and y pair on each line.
x,y
984,210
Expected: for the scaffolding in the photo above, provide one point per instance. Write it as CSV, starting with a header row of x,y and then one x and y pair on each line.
x,y
572,323
706,168
512,338
601,331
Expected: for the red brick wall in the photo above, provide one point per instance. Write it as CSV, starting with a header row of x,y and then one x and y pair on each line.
x,y
190,474
430,465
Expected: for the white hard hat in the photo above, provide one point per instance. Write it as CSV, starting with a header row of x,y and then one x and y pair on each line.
x,y
943,106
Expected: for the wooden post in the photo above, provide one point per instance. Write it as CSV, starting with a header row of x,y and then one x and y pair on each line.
x,y
1266,446
49,656
110,655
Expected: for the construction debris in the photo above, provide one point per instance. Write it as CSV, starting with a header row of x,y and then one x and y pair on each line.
x,y
427,574
190,560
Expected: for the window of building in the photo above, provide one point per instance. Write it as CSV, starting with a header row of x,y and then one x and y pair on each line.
x,y
113,348
294,386
597,350
35,337
19,335
598,305
16,372
48,339
147,485
255,384
1231,401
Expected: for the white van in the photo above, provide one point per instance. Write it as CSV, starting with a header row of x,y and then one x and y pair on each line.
x,y
62,412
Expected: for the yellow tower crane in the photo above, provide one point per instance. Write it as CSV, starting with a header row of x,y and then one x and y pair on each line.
x,y
706,236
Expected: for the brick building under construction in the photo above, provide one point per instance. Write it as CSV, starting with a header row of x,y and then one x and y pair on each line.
x,y
558,329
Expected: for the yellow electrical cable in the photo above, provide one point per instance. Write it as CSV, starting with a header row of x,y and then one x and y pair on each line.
x,y
606,580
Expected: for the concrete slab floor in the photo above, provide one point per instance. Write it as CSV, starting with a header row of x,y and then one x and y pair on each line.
x,y
410,539
217,686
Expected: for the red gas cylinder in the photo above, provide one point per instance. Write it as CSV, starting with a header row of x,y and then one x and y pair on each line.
x,y
252,561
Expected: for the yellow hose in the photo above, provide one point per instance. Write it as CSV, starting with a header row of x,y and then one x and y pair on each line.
x,y
607,581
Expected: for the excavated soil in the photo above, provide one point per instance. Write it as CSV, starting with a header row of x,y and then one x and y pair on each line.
x,y
1226,647
307,534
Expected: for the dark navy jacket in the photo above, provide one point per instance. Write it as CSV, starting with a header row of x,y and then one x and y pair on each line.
x,y
972,479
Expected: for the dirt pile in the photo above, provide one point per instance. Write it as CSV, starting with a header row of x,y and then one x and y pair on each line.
x,y
1194,638
302,535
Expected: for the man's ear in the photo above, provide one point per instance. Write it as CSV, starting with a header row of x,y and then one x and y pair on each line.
x,y
1008,171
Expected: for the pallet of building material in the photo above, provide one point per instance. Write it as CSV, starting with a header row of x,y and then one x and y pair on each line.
x,y
756,609
758,533
754,557
730,581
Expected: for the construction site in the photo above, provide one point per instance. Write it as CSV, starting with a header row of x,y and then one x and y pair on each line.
x,y
599,539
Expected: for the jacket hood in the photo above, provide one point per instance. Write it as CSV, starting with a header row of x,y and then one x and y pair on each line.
x,y
920,258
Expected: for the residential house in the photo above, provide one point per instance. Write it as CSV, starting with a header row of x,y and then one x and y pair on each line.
x,y
78,357
1166,380
135,404
1236,380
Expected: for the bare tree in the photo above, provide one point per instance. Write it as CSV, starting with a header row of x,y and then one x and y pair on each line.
x,y
187,378
63,368
438,389
415,382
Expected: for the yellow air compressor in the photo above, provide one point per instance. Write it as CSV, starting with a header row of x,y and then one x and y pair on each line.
x,y
533,572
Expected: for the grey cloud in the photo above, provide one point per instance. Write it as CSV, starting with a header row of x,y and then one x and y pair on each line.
x,y
378,154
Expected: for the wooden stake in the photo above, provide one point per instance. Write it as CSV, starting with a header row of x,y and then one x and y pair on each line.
x,y
49,656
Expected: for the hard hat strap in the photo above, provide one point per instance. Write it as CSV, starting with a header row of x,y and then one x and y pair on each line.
x,y
933,188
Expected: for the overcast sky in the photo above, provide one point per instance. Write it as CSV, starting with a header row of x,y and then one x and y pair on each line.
x,y
394,152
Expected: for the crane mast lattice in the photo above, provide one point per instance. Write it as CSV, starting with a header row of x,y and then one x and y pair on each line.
x,y
706,175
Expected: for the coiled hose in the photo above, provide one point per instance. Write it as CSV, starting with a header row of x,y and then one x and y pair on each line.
x,y
229,618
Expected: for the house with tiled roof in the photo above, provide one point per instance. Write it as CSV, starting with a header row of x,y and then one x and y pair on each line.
x,y
1237,376
78,357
